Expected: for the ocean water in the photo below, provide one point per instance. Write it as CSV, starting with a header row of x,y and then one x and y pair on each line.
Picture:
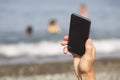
x,y
15,15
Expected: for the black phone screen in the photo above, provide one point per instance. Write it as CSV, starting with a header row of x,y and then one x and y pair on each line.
x,y
78,34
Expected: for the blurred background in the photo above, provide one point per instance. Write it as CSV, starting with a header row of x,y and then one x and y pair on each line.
x,y
31,32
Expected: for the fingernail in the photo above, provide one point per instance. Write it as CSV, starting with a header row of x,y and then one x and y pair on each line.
x,y
65,52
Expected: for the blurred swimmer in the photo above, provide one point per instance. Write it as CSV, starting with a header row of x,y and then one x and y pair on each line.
x,y
29,30
53,27
83,11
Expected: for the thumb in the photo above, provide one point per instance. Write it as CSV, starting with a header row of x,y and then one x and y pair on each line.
x,y
88,47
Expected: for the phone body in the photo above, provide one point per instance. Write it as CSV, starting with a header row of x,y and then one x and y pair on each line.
x,y
78,34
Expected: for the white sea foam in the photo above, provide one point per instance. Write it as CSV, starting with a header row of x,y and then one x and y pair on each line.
x,y
47,48
107,46
43,48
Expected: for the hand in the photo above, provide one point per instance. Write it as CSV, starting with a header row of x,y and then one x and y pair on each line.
x,y
83,65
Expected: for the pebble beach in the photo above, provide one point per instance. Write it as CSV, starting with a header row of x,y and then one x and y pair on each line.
x,y
105,69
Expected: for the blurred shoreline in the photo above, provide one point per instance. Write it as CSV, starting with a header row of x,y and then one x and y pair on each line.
x,y
60,57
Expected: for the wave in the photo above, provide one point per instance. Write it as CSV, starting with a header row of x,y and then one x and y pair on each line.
x,y
49,48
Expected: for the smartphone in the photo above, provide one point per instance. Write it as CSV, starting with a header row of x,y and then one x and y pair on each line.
x,y
78,34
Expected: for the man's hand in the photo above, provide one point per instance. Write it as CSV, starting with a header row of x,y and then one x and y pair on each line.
x,y
83,65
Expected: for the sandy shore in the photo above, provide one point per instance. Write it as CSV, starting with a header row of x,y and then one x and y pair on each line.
x,y
105,69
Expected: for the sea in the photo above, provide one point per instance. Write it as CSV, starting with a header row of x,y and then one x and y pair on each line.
x,y
17,47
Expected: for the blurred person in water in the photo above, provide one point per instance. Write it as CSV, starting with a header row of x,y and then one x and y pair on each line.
x,y
83,11
29,30
83,65
53,27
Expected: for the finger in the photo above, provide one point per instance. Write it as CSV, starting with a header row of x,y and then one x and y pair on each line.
x,y
65,50
76,69
64,43
66,38
89,47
